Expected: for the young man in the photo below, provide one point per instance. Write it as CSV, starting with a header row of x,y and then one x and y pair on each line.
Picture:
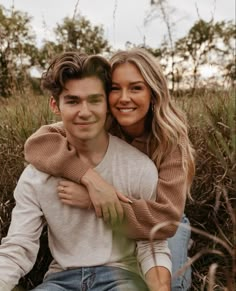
x,y
87,253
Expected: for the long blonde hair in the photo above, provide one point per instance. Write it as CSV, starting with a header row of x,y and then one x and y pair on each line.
x,y
167,122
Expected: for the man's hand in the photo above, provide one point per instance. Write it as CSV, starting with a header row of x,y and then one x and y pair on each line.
x,y
74,194
104,197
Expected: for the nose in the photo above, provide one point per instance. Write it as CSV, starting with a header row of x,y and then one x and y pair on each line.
x,y
124,96
84,110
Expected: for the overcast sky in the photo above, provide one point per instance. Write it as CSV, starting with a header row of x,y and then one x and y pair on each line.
x,y
122,20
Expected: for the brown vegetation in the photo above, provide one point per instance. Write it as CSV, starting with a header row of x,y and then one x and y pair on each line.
x,y
212,131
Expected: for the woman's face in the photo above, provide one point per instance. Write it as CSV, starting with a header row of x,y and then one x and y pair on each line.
x,y
129,99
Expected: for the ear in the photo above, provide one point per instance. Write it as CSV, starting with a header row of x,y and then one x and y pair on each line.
x,y
53,105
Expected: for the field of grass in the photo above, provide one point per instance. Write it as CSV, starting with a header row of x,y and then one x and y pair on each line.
x,y
212,131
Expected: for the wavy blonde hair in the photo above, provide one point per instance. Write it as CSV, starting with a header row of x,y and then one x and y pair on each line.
x,y
165,123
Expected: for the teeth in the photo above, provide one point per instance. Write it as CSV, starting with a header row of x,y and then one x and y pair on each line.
x,y
126,110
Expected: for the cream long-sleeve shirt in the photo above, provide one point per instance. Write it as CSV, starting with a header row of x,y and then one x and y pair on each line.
x,y
77,238
142,215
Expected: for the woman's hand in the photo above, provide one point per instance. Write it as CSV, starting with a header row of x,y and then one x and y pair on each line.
x,y
104,197
74,194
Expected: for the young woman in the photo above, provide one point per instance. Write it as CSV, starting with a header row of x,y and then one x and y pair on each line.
x,y
144,116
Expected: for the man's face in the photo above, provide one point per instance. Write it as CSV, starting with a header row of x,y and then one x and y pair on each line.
x,y
83,108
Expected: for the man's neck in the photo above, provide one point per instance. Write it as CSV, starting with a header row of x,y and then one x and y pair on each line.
x,y
92,152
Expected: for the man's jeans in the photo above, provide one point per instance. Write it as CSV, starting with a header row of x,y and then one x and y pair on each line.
x,y
93,279
178,245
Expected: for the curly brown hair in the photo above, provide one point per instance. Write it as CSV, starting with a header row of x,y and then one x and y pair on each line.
x,y
75,65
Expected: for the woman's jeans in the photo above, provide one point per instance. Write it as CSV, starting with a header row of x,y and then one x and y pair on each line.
x,y
178,245
102,278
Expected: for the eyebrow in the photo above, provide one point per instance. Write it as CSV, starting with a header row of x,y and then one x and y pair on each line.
x,y
131,83
90,96
71,97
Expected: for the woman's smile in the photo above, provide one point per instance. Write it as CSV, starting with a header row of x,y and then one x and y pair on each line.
x,y
129,99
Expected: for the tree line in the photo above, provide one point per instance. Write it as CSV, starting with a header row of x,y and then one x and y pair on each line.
x,y
206,43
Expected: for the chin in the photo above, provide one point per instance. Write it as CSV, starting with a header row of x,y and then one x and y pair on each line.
x,y
125,122
84,138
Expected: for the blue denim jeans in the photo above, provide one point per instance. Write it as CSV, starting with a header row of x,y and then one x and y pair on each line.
x,y
102,278
178,245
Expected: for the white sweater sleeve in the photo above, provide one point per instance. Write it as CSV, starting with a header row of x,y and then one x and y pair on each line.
x,y
161,256
18,250
5,287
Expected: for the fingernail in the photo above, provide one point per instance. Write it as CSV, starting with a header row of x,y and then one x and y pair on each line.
x,y
130,202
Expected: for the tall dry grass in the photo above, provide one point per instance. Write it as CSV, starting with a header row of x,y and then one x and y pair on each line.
x,y
20,117
212,130
211,118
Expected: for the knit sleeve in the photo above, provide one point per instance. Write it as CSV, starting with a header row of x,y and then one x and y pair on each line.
x,y
48,150
18,250
142,215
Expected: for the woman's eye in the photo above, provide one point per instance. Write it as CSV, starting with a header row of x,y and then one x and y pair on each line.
x,y
136,88
113,88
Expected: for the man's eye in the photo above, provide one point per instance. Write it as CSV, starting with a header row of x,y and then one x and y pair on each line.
x,y
94,101
71,102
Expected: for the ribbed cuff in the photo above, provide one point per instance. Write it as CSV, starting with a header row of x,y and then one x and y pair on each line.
x,y
162,260
75,170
